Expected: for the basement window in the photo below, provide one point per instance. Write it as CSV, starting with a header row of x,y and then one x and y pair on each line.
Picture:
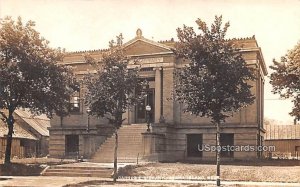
x,y
193,141
226,139
72,145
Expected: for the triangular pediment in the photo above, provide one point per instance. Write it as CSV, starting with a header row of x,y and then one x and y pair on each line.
x,y
142,46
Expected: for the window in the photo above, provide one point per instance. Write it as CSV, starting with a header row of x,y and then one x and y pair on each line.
x,y
72,145
75,100
193,142
146,69
226,139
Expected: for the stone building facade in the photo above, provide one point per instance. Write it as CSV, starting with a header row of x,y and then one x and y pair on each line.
x,y
174,135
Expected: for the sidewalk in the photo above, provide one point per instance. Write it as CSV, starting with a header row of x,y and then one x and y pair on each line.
x,y
240,183
42,181
45,181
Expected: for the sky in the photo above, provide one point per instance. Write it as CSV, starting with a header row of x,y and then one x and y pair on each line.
x,y
89,24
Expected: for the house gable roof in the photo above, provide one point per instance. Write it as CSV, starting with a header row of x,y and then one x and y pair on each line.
x,y
19,131
38,123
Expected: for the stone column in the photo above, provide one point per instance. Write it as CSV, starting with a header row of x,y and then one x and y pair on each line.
x,y
157,95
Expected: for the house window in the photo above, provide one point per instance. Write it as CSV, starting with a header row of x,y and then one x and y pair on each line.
x,y
75,100
226,139
193,143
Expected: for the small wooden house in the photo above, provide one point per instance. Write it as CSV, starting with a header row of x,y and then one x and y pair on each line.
x,y
30,137
285,139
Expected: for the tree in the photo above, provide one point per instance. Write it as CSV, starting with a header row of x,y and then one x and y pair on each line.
x,y
29,74
215,82
286,79
110,92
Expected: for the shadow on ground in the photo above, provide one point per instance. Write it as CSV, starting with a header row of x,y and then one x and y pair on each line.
x,y
135,184
16,169
262,162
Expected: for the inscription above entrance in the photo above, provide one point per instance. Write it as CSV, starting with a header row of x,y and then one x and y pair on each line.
x,y
147,60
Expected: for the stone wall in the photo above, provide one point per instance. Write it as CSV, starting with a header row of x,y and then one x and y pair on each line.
x,y
89,142
175,139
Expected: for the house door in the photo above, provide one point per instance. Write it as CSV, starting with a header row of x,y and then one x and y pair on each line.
x,y
141,113
72,145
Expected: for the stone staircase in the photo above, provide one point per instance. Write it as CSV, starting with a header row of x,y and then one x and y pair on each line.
x,y
129,148
79,170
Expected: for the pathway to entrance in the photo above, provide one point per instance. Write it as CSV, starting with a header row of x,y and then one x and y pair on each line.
x,y
130,147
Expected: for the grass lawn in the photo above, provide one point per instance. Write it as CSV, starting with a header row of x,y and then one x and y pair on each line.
x,y
261,171
275,171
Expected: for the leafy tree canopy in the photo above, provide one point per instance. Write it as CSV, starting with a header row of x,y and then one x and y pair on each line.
x,y
215,83
112,89
29,74
286,78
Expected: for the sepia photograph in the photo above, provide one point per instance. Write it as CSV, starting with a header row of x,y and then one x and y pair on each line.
x,y
137,93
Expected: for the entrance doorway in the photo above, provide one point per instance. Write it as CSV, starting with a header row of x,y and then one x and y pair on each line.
x,y
72,145
141,113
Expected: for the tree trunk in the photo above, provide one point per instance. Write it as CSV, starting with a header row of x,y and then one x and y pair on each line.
x,y
218,154
10,124
116,157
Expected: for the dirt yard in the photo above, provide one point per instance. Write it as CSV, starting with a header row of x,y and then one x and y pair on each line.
x,y
260,173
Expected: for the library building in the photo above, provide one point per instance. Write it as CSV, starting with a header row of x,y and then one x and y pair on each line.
x,y
172,135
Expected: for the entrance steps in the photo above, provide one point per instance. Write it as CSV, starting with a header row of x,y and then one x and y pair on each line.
x,y
130,147
74,170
